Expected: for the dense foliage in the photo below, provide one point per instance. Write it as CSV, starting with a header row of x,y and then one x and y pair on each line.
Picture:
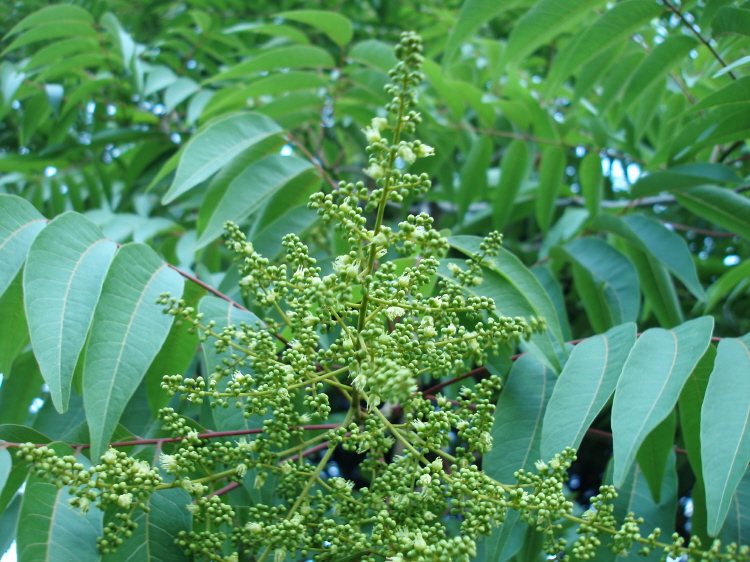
x,y
355,387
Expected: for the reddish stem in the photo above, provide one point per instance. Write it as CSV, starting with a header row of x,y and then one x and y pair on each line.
x,y
209,435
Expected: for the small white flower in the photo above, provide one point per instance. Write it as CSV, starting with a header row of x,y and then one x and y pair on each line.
x,y
142,468
193,508
359,381
423,151
419,543
279,555
375,171
169,463
241,469
425,480
394,312
287,468
260,479
192,488
233,558
84,504
372,135
124,500
407,154
110,457
379,123
254,528
244,445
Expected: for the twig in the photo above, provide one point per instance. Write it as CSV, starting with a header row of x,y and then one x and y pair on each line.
x,y
700,37
313,160
208,435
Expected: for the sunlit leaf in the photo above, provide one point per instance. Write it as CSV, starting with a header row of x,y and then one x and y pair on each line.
x,y
62,280
127,331
651,381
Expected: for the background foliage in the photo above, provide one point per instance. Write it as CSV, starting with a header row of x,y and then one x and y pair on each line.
x,y
608,141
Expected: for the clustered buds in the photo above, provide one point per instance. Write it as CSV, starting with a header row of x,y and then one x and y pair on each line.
x,y
370,330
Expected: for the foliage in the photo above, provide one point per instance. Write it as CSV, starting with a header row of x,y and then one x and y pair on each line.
x,y
607,142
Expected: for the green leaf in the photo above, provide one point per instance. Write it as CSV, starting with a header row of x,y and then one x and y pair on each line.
x,y
689,407
9,523
738,92
592,182
337,27
6,464
20,222
159,78
374,53
52,30
60,426
517,430
299,219
690,403
611,27
554,290
63,277
543,22
656,66
127,332
736,527
655,239
517,275
725,447
567,226
52,529
473,176
633,496
443,87
513,168
121,37
19,389
505,540
653,454
295,56
178,91
726,283
60,14
605,274
518,291
651,381
245,192
272,29
225,314
473,14
215,145
13,326
153,540
730,67
682,177
731,21
584,387
551,177
721,206
510,301
175,355
657,286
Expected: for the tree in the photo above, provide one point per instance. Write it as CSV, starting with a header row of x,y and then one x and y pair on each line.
x,y
310,402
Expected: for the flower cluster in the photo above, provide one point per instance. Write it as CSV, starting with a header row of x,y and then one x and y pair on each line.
x,y
367,329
